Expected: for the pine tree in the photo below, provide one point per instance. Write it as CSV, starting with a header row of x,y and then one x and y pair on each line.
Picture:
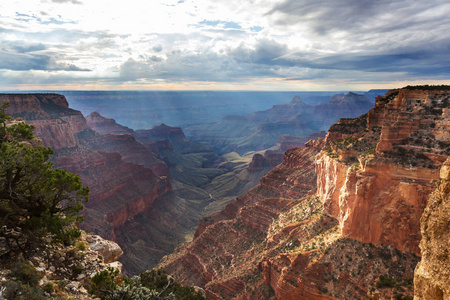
x,y
33,195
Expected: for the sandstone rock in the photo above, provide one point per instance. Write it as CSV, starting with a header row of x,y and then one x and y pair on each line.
x,y
432,274
108,249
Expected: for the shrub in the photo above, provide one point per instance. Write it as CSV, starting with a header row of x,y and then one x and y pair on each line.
x,y
25,273
385,281
104,281
19,291
77,270
81,246
48,287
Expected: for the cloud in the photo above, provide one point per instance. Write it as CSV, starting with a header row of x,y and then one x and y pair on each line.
x,y
67,1
22,47
359,16
25,62
266,52
225,41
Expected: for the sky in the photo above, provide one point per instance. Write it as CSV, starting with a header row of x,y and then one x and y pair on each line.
x,y
223,44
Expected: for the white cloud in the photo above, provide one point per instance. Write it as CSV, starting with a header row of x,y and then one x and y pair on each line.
x,y
172,41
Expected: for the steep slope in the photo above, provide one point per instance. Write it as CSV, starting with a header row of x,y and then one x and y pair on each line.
x,y
105,125
432,274
203,185
261,130
337,219
131,199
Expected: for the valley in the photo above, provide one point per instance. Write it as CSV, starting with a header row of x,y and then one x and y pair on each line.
x,y
281,221
149,187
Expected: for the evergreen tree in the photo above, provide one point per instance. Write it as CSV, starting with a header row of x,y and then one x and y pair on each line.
x,y
33,195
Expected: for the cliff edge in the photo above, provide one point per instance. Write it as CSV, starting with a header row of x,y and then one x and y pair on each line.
x,y
432,275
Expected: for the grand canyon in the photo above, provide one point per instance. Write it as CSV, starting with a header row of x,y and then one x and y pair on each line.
x,y
338,215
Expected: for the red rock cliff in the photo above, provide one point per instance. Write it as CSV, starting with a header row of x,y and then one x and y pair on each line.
x,y
326,224
386,189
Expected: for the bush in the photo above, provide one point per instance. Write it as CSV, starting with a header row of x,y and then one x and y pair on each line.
x,y
48,287
385,281
104,281
77,270
25,273
19,291
81,246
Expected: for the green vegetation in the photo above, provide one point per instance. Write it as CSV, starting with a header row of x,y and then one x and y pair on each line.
x,y
26,273
25,286
385,281
33,195
155,284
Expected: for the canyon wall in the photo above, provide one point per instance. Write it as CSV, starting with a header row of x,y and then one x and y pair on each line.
x,y
337,219
432,275
130,195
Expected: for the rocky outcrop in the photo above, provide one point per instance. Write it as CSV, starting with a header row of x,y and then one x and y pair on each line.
x,y
68,269
387,198
269,159
108,249
432,274
104,125
378,167
56,124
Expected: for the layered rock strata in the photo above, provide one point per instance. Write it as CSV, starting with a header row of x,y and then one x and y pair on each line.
x,y
337,219
126,180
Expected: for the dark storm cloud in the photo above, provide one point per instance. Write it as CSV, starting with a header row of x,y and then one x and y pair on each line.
x,y
417,60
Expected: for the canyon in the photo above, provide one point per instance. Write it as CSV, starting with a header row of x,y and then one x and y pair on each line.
x,y
148,188
339,218
261,130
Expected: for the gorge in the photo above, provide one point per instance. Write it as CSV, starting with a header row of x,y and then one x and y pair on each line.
x,y
338,218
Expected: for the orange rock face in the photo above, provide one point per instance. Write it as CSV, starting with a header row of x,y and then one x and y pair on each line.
x,y
432,274
387,193
387,199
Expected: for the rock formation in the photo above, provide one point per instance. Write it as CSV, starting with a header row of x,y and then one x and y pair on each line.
x,y
262,129
105,125
69,269
432,275
337,219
